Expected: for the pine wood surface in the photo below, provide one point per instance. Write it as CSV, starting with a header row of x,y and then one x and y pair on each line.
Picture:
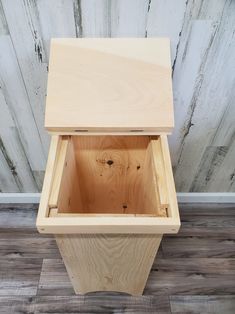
x,y
193,273
105,85
88,175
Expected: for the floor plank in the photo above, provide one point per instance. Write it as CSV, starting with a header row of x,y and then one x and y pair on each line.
x,y
167,277
198,304
195,247
54,280
18,217
194,271
174,282
27,245
16,304
103,304
222,266
95,303
19,276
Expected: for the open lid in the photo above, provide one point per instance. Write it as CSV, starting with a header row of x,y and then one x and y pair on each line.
x,y
109,85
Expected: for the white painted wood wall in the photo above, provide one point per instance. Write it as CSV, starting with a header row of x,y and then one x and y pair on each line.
x,y
203,60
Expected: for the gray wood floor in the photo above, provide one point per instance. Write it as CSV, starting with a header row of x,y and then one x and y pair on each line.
x,y
194,271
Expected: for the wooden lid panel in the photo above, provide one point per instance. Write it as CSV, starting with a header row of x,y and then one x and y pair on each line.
x,y
109,85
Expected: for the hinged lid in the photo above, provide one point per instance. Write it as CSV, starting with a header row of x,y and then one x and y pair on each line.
x,y
109,85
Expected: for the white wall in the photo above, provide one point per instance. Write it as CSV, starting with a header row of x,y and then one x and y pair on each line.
x,y
203,59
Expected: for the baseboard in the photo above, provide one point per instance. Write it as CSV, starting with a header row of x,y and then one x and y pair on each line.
x,y
34,198
205,197
20,198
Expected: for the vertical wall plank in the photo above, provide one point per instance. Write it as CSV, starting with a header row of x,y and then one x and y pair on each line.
x,y
129,18
187,79
165,19
211,96
220,173
7,180
22,20
17,100
95,18
20,177
56,19
203,48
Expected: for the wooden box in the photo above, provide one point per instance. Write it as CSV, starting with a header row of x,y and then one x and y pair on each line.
x,y
108,193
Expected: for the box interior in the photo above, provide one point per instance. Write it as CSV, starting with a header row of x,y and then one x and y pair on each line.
x,y
110,175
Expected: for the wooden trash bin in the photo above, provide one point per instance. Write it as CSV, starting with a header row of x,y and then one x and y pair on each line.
x,y
108,193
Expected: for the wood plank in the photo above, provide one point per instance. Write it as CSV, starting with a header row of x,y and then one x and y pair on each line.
x,y
117,70
171,283
54,279
213,221
16,304
3,23
103,304
207,226
196,304
118,185
93,304
69,198
57,19
186,81
129,18
7,180
19,276
192,247
159,174
191,280
203,121
115,156
106,261
26,38
222,266
49,175
59,168
19,108
13,151
32,25
30,244
93,19
165,18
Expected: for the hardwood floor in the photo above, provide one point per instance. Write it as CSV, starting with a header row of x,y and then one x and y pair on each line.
x,y
194,271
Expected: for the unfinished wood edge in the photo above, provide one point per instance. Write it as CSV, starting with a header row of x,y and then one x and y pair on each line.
x,y
159,174
49,173
149,192
109,225
69,181
59,169
174,210
106,131
151,261
53,212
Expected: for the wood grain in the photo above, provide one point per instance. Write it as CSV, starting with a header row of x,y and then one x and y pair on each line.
x,y
185,284
202,304
111,173
116,175
201,47
108,262
20,276
123,75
